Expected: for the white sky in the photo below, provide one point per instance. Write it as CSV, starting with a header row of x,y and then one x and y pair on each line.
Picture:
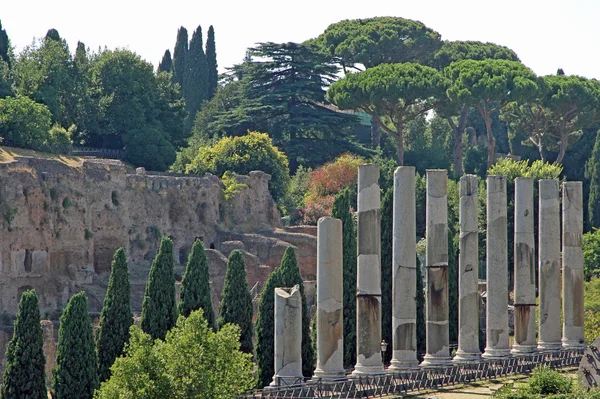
x,y
546,34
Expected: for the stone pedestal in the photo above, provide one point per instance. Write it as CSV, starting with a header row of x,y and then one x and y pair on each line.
x,y
549,337
468,273
572,202
288,336
330,324
497,270
436,263
525,270
404,272
368,290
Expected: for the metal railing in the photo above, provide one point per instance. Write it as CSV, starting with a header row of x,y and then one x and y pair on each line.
x,y
429,378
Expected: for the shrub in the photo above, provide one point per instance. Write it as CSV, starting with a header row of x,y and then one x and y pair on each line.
x,y
591,254
232,185
60,136
544,381
23,122
316,209
333,177
243,154
294,197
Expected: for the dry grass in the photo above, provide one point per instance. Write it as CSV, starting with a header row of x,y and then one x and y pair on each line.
x,y
9,155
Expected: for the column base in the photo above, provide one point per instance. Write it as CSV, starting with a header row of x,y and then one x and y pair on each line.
x,y
549,346
496,353
523,349
435,361
466,357
397,366
573,344
367,370
329,375
279,381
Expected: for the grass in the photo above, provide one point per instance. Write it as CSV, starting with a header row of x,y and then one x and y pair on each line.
x,y
10,154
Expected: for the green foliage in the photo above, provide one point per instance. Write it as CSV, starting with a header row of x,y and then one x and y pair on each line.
x,y
379,40
24,123
452,51
6,80
592,173
115,317
475,161
179,55
76,372
192,362
166,64
232,185
544,381
241,155
195,78
211,62
236,301
294,196
513,169
195,286
61,136
341,210
159,310
5,47
591,254
66,203
24,375
149,148
387,232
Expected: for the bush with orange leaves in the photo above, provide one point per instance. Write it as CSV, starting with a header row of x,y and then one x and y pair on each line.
x,y
325,183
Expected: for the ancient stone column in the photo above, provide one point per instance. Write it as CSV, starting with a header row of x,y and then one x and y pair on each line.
x,y
525,269
368,290
436,263
330,325
404,272
497,270
549,335
468,273
572,202
288,336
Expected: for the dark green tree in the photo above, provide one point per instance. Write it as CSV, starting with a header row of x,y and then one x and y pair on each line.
x,y
387,232
195,285
25,123
5,64
592,173
53,34
159,310
24,375
211,62
115,318
236,300
341,210
76,372
195,78
179,53
166,64
5,48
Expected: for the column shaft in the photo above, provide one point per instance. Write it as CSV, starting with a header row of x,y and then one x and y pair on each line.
x,y
288,336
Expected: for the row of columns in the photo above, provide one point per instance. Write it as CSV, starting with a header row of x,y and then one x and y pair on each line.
x,y
369,361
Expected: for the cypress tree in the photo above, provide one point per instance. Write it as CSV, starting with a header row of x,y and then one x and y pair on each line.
x,y
290,276
341,210
24,375
236,300
265,335
4,46
211,62
592,173
115,318
387,232
195,285
76,372
420,299
166,64
159,310
195,87
52,34
179,53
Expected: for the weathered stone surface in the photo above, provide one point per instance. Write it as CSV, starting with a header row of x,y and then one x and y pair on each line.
x,y
368,298
330,326
404,272
573,315
549,334
497,344
288,336
589,368
524,269
436,263
468,273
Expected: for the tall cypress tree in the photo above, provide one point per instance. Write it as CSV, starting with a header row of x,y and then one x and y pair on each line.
x,y
290,276
166,64
24,375
76,372
592,173
341,210
236,300
387,232
195,78
5,46
195,286
115,318
159,310
211,62
179,54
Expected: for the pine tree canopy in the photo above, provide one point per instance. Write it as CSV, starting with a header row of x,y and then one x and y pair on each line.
x,y
195,285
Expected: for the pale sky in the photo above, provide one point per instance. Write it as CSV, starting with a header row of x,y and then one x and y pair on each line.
x,y
546,34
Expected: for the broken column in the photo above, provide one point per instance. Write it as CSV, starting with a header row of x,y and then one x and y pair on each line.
x,y
368,290
497,345
404,272
436,263
572,202
330,325
468,273
525,270
288,336
549,335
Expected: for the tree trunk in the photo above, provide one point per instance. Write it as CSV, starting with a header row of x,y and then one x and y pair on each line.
x,y
563,148
491,140
400,143
458,144
541,151
375,134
